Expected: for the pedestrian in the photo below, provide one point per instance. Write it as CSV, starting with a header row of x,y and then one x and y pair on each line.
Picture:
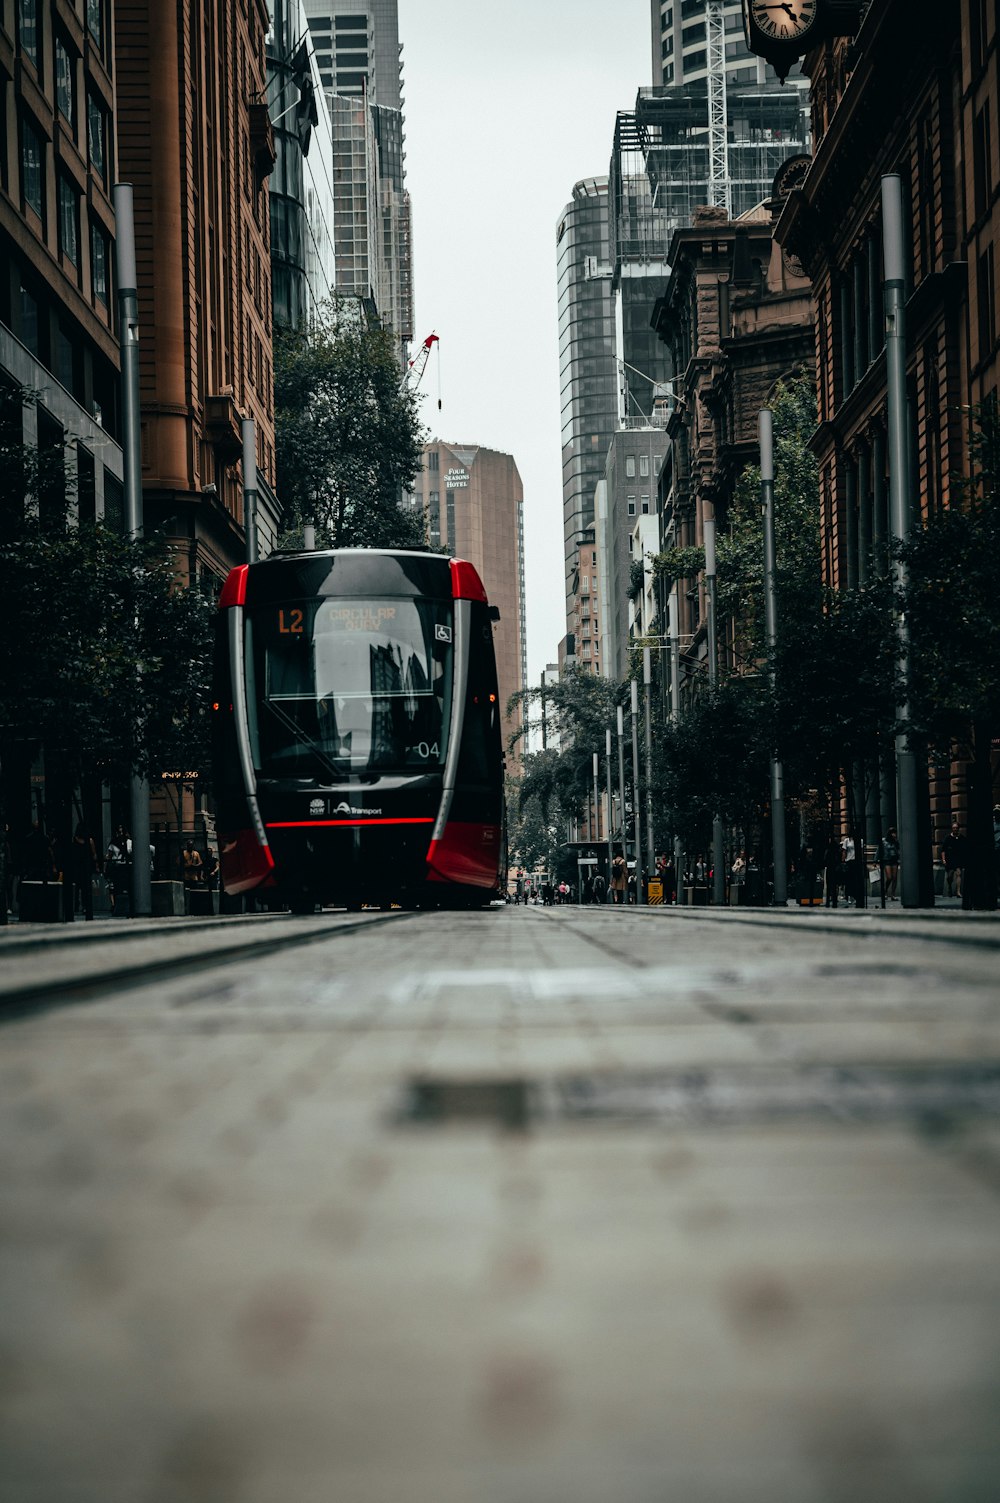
x,y
619,879
850,870
888,860
117,867
600,887
807,872
630,888
192,863
83,869
211,870
954,854
588,889
833,862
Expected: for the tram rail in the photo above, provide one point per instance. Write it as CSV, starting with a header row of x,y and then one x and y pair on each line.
x,y
45,969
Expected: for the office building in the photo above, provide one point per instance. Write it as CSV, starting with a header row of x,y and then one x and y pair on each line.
x,y
300,187
680,45
196,141
473,501
588,378
359,62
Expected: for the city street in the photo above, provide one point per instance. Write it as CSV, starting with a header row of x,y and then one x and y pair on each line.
x,y
562,1205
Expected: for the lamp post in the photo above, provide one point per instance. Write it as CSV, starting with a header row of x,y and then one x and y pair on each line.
x,y
610,821
140,895
708,533
647,690
621,780
675,710
894,292
766,433
639,892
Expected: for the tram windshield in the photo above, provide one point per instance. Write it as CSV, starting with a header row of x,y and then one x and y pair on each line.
x,y
344,686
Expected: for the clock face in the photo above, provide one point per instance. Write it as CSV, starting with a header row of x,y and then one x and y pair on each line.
x,y
788,21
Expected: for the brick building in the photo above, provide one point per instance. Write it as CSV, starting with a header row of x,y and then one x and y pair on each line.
x,y
927,110
196,143
473,501
737,316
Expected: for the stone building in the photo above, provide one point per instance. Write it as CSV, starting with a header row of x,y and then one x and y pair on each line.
x,y
196,143
738,317
928,111
473,501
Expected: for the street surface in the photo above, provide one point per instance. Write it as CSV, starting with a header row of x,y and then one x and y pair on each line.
x,y
528,1206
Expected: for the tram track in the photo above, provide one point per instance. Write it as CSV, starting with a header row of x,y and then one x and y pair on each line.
x,y
37,975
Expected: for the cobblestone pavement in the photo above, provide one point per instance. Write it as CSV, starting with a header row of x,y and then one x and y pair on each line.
x,y
530,1206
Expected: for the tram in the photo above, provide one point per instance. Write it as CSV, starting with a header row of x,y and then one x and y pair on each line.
x,y
357,750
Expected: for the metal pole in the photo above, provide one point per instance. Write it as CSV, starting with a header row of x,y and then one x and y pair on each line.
x,y
675,715
766,432
610,820
640,896
900,516
708,534
545,736
595,833
621,781
647,689
141,895
248,428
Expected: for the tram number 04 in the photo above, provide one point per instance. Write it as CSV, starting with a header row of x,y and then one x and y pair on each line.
x,y
292,626
424,750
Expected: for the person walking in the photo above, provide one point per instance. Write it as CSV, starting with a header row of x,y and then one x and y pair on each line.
x,y
954,854
619,879
832,866
192,863
117,868
83,868
888,860
600,888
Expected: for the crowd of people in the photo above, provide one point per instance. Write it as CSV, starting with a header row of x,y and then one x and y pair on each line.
x,y
86,873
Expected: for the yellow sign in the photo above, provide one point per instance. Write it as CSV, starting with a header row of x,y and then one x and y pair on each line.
x,y
654,891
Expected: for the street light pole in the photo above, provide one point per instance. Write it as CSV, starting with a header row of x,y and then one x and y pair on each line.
x,y
675,712
141,894
647,683
610,821
708,533
900,516
766,432
621,783
639,893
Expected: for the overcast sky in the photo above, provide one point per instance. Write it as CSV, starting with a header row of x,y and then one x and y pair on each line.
x,y
506,107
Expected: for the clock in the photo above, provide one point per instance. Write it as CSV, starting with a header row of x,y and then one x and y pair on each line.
x,y
784,20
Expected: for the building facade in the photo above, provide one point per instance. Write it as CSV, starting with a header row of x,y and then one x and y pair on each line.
x,y
635,456
588,372
678,32
359,60
300,188
195,141
738,318
473,501
927,111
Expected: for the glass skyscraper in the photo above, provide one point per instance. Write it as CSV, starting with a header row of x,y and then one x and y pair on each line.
x,y
587,364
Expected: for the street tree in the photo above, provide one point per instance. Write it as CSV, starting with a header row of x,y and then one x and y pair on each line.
x,y
348,438
953,603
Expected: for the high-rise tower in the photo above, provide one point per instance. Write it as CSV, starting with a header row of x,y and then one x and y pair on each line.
x,y
587,362
360,67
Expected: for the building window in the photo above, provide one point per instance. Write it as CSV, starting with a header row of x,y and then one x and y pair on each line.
x,y
95,20
643,464
28,328
631,543
31,168
585,585
986,286
64,81
645,506
99,263
68,242
630,467
631,506
981,165
593,560
27,29
96,136
433,461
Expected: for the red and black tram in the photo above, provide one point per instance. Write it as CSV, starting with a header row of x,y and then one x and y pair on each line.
x,y
357,752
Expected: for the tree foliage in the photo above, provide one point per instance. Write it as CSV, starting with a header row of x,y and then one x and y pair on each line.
x,y
109,658
348,439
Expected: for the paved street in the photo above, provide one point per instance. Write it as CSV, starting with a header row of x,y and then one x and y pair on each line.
x,y
529,1206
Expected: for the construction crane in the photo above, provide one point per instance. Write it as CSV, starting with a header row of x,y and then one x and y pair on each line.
x,y
417,366
720,183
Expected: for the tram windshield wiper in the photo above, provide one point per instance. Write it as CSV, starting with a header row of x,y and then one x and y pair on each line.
x,y
288,720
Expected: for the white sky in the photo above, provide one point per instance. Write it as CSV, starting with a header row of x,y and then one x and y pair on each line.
x,y
506,107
